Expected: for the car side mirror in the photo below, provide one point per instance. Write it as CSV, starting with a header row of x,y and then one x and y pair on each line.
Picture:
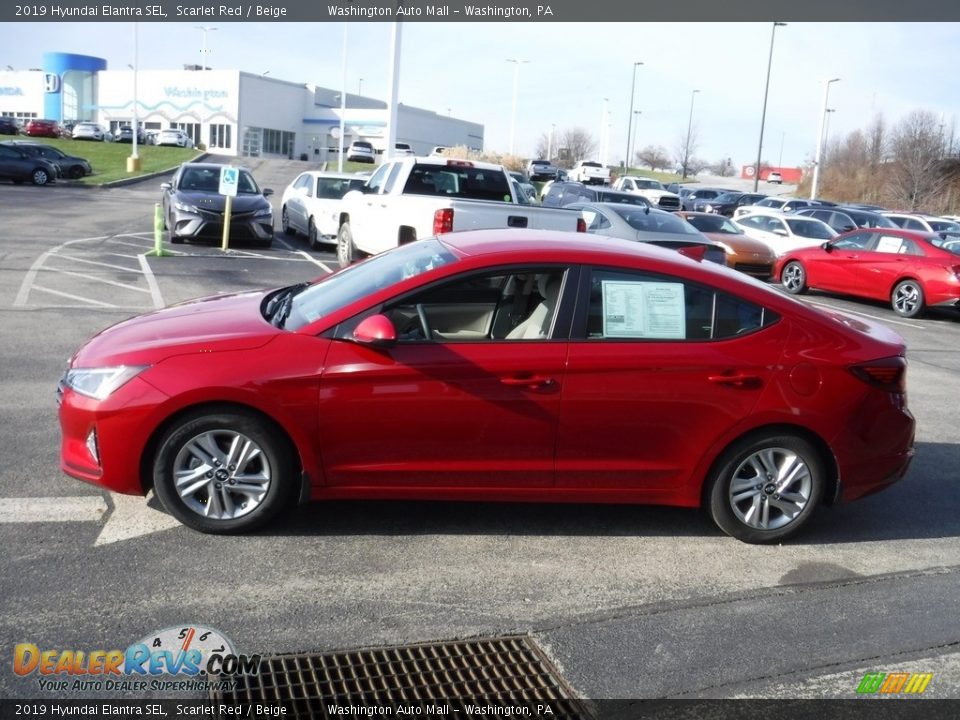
x,y
165,186
376,331
780,231
267,192
827,247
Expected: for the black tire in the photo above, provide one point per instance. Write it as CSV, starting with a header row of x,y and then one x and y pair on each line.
x,y
743,489
203,440
285,223
793,277
313,238
268,243
40,176
908,299
176,239
76,172
347,253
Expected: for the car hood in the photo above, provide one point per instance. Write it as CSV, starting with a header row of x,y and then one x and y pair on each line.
x,y
217,202
741,243
213,324
655,194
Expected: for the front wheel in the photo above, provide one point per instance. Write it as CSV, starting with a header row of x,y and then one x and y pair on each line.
x,y
76,172
907,299
285,223
40,177
346,251
764,489
794,278
313,237
223,472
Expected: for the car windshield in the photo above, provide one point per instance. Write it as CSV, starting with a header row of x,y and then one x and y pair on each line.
x,y
376,273
656,222
728,197
205,179
943,226
590,164
714,224
648,184
869,220
813,229
772,203
949,241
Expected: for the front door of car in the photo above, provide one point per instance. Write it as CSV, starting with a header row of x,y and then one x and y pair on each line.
x,y
839,269
658,371
475,406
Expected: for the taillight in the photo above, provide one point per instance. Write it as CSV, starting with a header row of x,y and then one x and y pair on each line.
x,y
581,225
443,221
889,374
459,163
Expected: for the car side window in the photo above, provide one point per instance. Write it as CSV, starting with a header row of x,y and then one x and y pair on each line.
x,y
392,178
896,245
912,224
856,241
517,305
633,305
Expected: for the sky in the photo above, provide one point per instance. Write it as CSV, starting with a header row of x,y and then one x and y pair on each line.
x,y
461,69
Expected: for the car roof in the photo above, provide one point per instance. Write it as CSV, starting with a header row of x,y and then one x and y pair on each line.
x,y
211,166
447,161
616,207
326,174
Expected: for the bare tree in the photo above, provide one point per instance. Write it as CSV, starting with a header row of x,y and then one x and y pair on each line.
x,y
655,157
722,168
915,150
685,149
573,145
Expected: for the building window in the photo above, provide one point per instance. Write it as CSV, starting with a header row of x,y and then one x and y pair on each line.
x,y
221,136
277,142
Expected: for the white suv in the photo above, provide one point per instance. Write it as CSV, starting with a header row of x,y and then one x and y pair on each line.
x,y
775,178
361,151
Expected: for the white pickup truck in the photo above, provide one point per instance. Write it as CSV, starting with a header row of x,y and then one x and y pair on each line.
x,y
415,197
589,172
651,189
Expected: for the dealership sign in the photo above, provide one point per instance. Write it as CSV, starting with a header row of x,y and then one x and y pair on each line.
x,y
51,83
11,91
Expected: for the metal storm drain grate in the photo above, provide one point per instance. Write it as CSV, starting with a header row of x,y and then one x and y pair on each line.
x,y
446,678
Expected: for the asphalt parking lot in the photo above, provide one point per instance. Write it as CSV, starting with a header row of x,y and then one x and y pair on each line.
x,y
629,601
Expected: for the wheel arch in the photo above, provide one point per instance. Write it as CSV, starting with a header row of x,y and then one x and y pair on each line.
x,y
907,276
831,489
152,446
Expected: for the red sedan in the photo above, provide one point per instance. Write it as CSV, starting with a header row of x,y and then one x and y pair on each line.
x,y
495,365
912,270
42,128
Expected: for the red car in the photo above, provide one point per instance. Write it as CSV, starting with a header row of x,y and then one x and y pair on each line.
x,y
42,128
507,365
912,270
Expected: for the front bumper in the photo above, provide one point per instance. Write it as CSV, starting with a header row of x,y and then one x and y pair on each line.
x,y
208,225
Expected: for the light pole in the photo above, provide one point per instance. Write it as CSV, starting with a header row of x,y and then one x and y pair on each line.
x,y
360,87
633,87
553,127
826,134
816,160
686,148
636,125
516,85
783,136
763,115
604,124
134,154
203,50
343,98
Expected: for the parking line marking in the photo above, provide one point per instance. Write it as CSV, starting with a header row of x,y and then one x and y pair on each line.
x,y
305,254
129,244
125,268
96,279
83,508
151,282
75,297
873,317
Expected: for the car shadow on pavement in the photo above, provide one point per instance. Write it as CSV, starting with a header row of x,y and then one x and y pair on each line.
x,y
924,505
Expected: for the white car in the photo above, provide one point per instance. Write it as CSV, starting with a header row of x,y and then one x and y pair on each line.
x,y
775,178
311,204
88,131
361,151
778,204
923,223
401,148
172,136
438,151
783,233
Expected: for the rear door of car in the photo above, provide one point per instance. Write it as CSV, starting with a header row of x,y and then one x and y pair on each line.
x,y
885,261
658,369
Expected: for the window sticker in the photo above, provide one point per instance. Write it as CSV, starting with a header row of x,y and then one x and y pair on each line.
x,y
890,244
643,310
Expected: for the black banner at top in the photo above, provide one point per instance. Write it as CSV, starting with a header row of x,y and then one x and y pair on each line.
x,y
490,11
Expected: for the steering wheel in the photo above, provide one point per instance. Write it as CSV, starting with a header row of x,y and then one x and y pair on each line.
x,y
424,324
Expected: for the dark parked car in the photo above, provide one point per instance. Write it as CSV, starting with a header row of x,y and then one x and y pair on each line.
x,y
689,196
125,135
843,219
193,206
9,126
68,165
20,166
726,203
42,128
562,194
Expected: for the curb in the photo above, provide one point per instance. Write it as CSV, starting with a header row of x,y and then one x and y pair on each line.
x,y
133,180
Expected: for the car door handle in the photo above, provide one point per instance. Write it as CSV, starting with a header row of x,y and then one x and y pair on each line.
x,y
534,382
737,379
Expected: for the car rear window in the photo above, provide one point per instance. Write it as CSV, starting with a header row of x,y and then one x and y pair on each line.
x,y
364,145
590,164
461,181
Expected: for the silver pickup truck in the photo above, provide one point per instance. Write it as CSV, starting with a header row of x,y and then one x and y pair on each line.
x,y
416,197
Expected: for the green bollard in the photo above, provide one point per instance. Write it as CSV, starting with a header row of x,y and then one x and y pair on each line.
x,y
158,250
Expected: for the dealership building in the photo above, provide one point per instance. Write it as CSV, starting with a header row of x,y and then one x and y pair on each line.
x,y
229,111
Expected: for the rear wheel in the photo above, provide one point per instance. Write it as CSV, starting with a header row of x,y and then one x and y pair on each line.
x,y
907,299
76,172
346,251
223,472
313,237
794,278
765,488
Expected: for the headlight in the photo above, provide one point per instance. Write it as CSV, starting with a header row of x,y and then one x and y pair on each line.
x,y
184,207
264,212
100,383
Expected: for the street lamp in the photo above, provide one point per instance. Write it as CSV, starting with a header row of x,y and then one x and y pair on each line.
x,y
343,99
783,136
203,51
823,116
633,87
360,87
134,154
516,83
636,125
826,134
763,115
553,127
686,148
